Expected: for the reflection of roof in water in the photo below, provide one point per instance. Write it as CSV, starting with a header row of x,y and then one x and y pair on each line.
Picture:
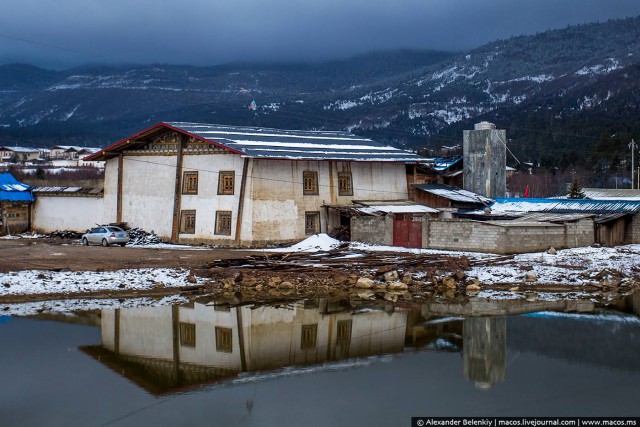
x,y
158,376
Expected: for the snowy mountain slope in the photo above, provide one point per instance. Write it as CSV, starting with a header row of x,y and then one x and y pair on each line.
x,y
405,98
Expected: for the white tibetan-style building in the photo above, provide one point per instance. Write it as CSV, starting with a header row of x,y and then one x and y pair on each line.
x,y
203,183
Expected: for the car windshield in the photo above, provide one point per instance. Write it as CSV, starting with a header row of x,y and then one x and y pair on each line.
x,y
115,229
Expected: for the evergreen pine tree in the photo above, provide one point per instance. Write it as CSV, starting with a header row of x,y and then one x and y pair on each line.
x,y
575,191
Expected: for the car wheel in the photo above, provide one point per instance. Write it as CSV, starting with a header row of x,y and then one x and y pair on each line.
x,y
85,242
123,244
105,243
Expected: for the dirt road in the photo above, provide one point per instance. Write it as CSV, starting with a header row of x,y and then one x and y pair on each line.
x,y
52,254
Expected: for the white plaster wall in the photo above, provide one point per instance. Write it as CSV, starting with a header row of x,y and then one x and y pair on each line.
x,y
278,203
64,163
147,332
208,201
111,190
67,213
107,329
148,185
206,318
274,207
378,181
376,332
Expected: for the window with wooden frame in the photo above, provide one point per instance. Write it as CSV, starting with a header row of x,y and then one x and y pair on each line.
x,y
223,223
190,182
187,334
310,183
226,182
345,184
188,222
343,333
308,336
224,339
311,222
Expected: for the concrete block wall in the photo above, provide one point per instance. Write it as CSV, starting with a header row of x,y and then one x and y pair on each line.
x,y
463,235
375,230
532,239
584,233
466,235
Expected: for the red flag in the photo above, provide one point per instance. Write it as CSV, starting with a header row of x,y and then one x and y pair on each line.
x,y
526,192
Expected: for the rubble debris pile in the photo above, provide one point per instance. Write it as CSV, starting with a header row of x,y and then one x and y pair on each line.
x,y
63,234
140,237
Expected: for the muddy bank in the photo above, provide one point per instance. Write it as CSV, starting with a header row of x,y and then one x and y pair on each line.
x,y
41,271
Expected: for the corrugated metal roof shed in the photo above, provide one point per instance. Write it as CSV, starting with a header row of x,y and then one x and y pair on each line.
x,y
553,217
511,205
396,209
453,193
611,194
254,142
13,190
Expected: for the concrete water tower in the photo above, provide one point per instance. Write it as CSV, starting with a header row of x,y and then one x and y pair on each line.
x,y
485,160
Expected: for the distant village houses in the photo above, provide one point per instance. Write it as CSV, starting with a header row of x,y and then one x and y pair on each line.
x,y
56,156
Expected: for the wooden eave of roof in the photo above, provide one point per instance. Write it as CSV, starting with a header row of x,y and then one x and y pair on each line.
x,y
137,140
154,384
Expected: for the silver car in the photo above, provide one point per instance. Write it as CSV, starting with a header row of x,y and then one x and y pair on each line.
x,y
106,235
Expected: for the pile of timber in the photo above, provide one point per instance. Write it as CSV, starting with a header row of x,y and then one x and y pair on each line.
x,y
342,259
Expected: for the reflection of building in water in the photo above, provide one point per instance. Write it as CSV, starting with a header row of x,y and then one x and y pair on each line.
x,y
484,350
165,348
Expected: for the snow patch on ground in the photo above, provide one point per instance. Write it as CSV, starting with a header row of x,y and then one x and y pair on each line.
x,y
568,266
64,282
21,236
359,246
315,243
74,305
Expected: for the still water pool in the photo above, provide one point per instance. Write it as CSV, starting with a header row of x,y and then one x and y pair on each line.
x,y
316,363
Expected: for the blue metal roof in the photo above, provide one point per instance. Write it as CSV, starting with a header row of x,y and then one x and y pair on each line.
x,y
443,163
515,205
13,190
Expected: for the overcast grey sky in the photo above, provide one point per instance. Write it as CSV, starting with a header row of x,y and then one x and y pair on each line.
x,y
208,32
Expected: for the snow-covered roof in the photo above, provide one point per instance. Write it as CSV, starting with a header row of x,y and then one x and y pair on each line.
x,y
97,191
396,209
89,150
552,217
453,193
20,149
611,194
511,205
256,142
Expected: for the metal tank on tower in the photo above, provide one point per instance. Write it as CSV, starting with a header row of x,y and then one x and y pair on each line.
x,y
485,160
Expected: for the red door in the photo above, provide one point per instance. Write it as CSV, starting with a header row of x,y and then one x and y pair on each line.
x,y
407,231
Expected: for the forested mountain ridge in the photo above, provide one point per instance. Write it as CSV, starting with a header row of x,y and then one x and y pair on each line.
x,y
570,89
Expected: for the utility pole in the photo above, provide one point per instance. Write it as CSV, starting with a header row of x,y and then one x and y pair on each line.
x,y
632,145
